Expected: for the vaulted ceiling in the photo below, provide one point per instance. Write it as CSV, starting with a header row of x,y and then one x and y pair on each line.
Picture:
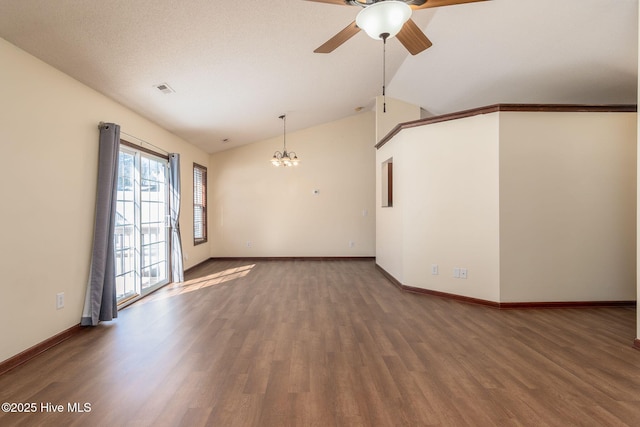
x,y
235,66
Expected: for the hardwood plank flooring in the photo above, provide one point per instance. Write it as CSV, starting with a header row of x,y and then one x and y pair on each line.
x,y
332,343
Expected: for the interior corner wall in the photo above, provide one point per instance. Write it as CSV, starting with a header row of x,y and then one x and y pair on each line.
x,y
638,194
445,209
390,219
322,208
390,112
49,135
567,206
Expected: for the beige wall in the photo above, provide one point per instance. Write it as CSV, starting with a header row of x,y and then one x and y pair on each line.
x,y
258,210
49,139
567,206
537,207
396,112
446,193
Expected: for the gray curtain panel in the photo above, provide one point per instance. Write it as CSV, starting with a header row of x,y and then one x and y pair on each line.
x,y
100,300
177,269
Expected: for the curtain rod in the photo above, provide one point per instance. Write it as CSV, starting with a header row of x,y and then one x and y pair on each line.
x,y
145,142
139,139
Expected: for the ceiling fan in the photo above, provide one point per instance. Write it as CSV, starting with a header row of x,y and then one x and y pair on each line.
x,y
379,18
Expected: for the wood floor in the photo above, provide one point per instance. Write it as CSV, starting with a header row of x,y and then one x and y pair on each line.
x,y
332,343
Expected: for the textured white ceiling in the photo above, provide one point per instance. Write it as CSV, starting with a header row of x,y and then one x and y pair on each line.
x,y
237,65
526,51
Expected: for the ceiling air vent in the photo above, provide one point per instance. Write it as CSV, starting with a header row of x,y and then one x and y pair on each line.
x,y
165,88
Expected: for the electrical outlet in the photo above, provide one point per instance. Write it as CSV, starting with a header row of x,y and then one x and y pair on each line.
x,y
463,273
456,272
434,269
249,243
351,243
59,300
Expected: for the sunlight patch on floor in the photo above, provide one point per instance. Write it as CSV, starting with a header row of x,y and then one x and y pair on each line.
x,y
202,282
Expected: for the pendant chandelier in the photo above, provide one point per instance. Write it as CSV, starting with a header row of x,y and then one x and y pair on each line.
x,y
284,158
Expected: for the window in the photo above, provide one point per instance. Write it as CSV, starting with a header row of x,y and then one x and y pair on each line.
x,y
199,204
387,183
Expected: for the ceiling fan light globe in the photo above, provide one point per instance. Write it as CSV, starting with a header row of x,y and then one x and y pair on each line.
x,y
383,17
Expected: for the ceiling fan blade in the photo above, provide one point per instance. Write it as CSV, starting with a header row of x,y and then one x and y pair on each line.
x,y
341,2
438,3
412,37
335,41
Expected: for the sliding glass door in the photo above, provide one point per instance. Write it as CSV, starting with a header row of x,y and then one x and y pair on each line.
x,y
142,232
